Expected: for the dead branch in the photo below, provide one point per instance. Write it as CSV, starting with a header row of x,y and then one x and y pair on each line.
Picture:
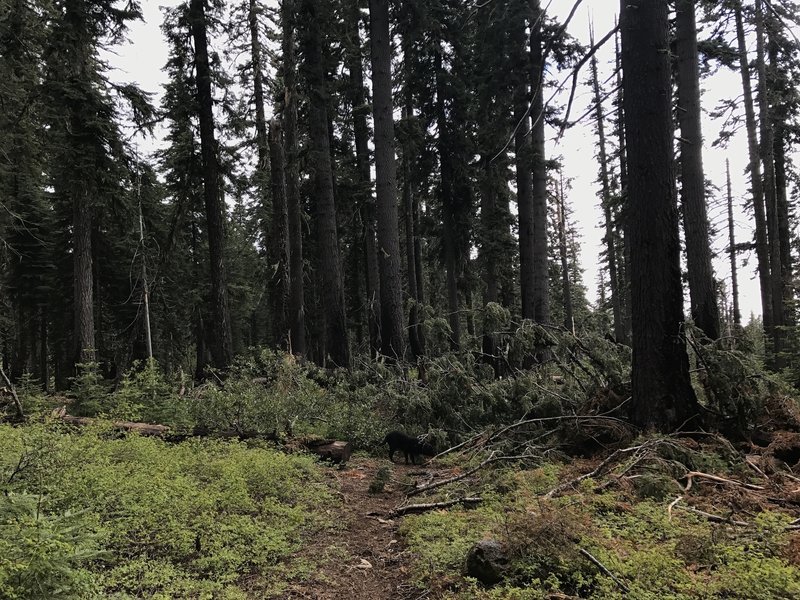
x,y
442,482
142,428
692,474
13,391
419,508
713,518
604,569
599,469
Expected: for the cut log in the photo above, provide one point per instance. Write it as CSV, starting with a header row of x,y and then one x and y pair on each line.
x,y
335,451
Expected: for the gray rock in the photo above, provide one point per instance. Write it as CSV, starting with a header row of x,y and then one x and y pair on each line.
x,y
487,562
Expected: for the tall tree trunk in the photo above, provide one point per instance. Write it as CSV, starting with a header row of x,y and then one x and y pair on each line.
x,y
566,288
222,348
762,246
366,208
523,154
488,250
280,235
415,338
737,315
541,275
269,141
337,347
663,397
605,189
767,153
702,290
83,280
624,260
297,319
447,191
44,372
392,337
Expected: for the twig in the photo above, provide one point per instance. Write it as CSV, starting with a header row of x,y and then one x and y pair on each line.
x,y
418,508
672,505
605,570
13,391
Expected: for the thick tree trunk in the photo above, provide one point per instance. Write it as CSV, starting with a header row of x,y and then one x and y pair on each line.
x,y
737,315
415,337
541,275
297,320
663,397
392,328
337,346
702,290
280,235
83,281
762,246
624,258
605,201
366,209
222,348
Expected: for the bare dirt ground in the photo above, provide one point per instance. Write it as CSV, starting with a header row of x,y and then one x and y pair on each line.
x,y
363,558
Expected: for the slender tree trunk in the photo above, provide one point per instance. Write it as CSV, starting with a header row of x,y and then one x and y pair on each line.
x,y
280,234
44,372
541,275
447,190
488,249
605,188
566,288
624,258
222,349
365,202
392,336
337,347
767,153
297,319
414,330
201,352
268,141
523,154
702,289
663,397
762,246
737,315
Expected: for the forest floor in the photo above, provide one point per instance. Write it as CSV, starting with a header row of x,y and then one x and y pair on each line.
x,y
362,556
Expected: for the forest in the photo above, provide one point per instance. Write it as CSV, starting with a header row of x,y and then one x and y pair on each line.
x,y
344,218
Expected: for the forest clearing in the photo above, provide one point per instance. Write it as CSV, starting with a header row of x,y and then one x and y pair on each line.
x,y
298,306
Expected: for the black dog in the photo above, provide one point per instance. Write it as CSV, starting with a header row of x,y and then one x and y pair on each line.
x,y
410,446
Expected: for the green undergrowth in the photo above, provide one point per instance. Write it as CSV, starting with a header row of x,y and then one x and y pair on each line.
x,y
657,553
92,515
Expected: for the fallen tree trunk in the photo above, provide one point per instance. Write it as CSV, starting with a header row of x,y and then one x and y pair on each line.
x,y
141,428
336,451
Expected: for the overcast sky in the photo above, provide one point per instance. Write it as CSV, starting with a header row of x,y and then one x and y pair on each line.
x,y
143,58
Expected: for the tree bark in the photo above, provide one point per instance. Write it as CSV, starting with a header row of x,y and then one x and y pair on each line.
x,y
83,280
663,397
392,329
566,288
297,320
337,348
702,289
222,348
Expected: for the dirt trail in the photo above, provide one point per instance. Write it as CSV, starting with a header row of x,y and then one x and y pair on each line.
x,y
363,559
